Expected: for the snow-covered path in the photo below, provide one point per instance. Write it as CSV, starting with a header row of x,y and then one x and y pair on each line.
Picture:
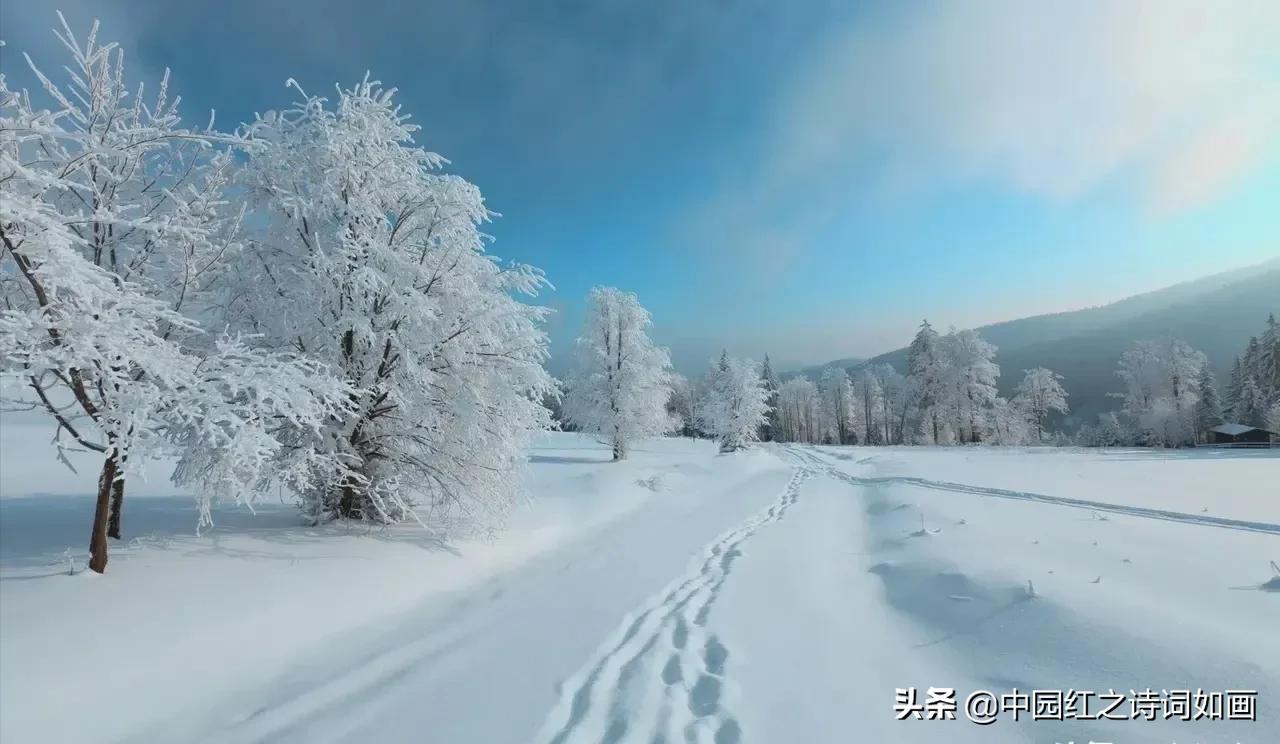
x,y
781,595
881,582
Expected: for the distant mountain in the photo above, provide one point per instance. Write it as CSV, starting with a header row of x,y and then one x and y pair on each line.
x,y
1216,314
816,370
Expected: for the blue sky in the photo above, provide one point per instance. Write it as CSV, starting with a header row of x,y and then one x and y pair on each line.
x,y
806,179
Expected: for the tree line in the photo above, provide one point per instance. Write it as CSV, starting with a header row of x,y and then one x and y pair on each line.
x,y
1171,397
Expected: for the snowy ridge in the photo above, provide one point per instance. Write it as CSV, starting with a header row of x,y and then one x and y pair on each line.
x,y
662,677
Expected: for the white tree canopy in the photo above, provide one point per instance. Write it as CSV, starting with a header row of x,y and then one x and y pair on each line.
x,y
622,382
1161,379
368,260
1039,393
737,404
117,236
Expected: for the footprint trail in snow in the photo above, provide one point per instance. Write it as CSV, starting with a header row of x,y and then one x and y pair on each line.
x,y
662,678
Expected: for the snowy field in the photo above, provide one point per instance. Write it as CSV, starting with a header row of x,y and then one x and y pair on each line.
x,y
778,595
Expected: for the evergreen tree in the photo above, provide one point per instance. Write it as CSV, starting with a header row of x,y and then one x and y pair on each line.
x,y
1234,385
736,405
769,431
1251,409
1209,407
925,371
1268,373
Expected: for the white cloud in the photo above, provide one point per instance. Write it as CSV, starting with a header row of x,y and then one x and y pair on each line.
x,y
1053,98
1172,100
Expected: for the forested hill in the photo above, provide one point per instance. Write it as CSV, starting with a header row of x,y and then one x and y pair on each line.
x,y
1216,314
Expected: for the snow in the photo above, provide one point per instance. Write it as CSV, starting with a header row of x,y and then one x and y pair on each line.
x,y
777,594
1233,429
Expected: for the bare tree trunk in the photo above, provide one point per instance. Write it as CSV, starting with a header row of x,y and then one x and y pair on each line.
x,y
347,502
117,502
98,537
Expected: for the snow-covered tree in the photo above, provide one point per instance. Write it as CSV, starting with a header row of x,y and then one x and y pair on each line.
x,y
1260,363
737,404
1234,384
1011,423
897,398
837,405
970,374
769,432
620,388
1208,410
1108,431
1161,380
369,260
870,395
683,405
1268,365
926,369
1039,394
117,235
1251,408
799,411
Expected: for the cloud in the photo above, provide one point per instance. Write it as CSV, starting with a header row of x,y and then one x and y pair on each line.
x,y
1053,98
1056,99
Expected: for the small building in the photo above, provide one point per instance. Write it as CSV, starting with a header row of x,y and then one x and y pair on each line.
x,y
1241,434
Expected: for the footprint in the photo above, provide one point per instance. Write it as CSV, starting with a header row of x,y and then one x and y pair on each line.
x,y
671,673
704,698
617,730
729,732
714,656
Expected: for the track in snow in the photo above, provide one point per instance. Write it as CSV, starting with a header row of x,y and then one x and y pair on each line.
x,y
661,680
814,461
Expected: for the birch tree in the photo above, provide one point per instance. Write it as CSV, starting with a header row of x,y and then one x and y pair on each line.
x,y
927,369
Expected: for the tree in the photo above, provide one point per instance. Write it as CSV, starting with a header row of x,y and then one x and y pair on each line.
x,y
1268,372
1234,385
871,394
1011,423
1208,410
1107,432
620,388
683,406
770,429
1161,378
926,369
1039,394
737,405
837,403
117,236
1251,408
970,374
799,411
370,261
